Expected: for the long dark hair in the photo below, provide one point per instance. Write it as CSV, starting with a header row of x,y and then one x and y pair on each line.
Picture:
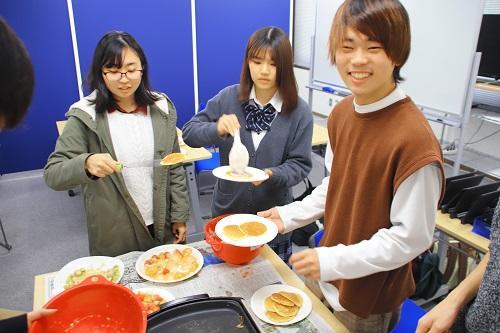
x,y
17,79
109,53
275,41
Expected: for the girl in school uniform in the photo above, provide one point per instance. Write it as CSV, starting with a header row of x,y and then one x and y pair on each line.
x,y
275,126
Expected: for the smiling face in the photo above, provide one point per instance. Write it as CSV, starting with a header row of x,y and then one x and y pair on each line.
x,y
123,90
263,72
365,67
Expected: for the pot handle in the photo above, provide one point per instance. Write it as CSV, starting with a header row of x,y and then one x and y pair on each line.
x,y
95,279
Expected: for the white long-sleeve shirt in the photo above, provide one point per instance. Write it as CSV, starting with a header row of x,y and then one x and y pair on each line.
x,y
412,215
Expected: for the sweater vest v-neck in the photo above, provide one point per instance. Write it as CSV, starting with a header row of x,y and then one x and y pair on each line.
x,y
373,153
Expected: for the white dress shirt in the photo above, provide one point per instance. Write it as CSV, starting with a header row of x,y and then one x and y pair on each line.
x,y
413,215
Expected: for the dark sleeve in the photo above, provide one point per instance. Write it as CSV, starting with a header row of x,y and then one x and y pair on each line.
x,y
201,130
17,324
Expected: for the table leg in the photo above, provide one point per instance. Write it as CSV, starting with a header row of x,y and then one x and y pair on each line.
x,y
196,217
6,245
442,250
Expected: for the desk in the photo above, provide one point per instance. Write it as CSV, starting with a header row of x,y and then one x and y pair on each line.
x,y
287,275
490,87
191,155
320,135
462,232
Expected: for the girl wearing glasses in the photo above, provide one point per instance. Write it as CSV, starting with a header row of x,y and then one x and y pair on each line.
x,y
109,145
276,128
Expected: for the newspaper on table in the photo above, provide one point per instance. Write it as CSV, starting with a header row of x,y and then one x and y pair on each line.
x,y
218,279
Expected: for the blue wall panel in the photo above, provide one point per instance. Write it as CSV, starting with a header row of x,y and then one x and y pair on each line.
x,y
44,28
222,31
162,28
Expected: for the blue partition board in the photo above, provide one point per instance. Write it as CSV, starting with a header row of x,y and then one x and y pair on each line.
x,y
162,28
222,31
44,28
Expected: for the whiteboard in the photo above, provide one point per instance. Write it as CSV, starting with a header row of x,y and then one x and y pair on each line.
x,y
444,39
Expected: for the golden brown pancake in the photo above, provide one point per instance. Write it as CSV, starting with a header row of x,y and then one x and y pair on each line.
x,y
281,299
277,318
244,175
172,159
285,311
233,232
269,304
295,298
253,228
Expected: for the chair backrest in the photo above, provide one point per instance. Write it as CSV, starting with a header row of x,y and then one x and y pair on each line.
x,y
315,238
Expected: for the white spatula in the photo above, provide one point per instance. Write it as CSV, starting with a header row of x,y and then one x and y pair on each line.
x,y
238,155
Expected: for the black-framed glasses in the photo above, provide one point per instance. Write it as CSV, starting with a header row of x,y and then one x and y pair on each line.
x,y
134,74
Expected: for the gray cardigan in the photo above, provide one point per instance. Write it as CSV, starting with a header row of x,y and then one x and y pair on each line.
x,y
285,149
483,314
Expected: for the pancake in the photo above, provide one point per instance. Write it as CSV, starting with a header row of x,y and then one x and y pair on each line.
x,y
277,318
295,298
233,232
244,175
269,304
253,228
173,158
285,311
281,299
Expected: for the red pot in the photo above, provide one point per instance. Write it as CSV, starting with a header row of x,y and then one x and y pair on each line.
x,y
231,254
95,305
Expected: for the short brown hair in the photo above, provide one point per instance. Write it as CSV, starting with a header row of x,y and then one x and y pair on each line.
x,y
384,21
274,40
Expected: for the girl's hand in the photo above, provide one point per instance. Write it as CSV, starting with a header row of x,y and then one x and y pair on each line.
x,y
35,315
306,263
179,231
273,215
268,172
227,124
101,165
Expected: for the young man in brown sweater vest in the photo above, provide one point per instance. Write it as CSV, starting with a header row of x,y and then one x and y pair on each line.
x,y
386,179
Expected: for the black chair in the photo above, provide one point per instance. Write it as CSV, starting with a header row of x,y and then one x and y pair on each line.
x,y
455,185
6,244
467,197
484,202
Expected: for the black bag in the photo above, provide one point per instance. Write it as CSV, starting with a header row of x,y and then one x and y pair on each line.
x,y
301,236
428,277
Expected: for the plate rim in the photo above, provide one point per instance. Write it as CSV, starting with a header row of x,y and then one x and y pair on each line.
x,y
215,171
166,247
59,280
162,290
238,243
262,316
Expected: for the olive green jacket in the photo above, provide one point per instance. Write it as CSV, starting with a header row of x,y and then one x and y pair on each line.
x,y
115,225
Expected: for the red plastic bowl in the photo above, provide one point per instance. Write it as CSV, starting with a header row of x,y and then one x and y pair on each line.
x,y
231,254
95,305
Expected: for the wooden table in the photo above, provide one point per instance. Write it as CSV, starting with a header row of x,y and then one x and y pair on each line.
x,y
191,155
284,271
462,232
320,135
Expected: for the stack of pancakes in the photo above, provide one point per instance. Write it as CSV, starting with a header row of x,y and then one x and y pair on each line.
x,y
247,229
282,306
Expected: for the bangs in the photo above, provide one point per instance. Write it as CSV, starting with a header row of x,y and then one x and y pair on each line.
x,y
113,55
259,50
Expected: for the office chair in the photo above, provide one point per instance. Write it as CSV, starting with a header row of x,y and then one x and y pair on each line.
x,y
6,244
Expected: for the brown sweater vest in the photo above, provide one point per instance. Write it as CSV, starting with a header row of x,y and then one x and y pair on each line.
x,y
373,154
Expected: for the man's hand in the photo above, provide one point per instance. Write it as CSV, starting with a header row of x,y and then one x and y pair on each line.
x,y
273,215
440,318
227,124
101,165
306,263
179,231
268,172
35,315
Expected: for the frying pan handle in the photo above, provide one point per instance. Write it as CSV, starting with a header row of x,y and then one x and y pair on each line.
x,y
183,300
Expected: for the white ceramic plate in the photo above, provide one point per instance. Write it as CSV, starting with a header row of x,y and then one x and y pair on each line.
x,y
223,172
269,235
95,262
139,264
257,303
162,292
